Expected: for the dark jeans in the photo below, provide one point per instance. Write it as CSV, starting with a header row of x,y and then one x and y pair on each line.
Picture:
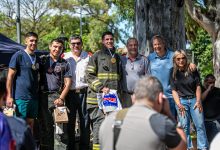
x,y
76,102
125,98
49,140
211,129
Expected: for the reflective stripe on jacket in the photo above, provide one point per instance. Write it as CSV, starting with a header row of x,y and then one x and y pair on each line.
x,y
101,72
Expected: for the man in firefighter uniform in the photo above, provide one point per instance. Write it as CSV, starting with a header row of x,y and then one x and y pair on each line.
x,y
103,73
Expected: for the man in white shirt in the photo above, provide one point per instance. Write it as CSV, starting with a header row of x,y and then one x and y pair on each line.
x,y
76,98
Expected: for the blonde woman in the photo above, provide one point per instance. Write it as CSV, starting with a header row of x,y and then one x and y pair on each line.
x,y
186,92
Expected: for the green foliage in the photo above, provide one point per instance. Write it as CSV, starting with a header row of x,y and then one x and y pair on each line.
x,y
200,39
43,42
125,9
202,48
7,26
124,14
191,27
50,18
94,37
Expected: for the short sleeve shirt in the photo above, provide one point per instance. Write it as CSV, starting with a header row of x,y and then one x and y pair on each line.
x,y
78,69
133,70
143,128
53,73
26,79
165,130
161,67
185,85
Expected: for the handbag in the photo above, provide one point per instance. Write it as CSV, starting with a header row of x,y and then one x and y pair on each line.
x,y
60,115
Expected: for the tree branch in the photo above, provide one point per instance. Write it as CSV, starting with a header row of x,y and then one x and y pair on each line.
x,y
200,18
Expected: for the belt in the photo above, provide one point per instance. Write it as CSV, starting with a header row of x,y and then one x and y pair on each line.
x,y
82,90
130,93
50,92
188,97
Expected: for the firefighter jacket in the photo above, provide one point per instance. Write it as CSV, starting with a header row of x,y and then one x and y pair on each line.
x,y
102,72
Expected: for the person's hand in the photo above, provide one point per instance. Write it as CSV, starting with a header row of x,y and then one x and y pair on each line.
x,y
192,67
58,102
198,105
210,87
106,90
9,102
181,109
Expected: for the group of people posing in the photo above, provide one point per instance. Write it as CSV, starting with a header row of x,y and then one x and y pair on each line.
x,y
171,86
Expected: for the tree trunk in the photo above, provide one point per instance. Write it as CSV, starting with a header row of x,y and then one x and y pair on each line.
x,y
216,46
216,59
210,21
163,17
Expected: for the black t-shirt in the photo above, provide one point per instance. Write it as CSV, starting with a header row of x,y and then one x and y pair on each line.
x,y
211,104
185,85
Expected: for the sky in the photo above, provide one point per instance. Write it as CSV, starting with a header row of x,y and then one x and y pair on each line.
x,y
122,26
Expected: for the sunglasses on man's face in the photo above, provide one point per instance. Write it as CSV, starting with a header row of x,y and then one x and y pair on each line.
x,y
76,43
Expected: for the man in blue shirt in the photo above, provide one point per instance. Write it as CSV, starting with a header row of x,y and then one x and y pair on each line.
x,y
55,82
161,64
22,80
20,131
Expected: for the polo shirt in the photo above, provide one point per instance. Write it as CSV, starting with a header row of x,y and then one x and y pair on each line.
x,y
161,68
78,69
133,70
26,79
53,73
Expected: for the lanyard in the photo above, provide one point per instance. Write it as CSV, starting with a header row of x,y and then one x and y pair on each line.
x,y
33,60
113,60
111,53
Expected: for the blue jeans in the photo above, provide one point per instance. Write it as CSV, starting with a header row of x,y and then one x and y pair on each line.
x,y
198,120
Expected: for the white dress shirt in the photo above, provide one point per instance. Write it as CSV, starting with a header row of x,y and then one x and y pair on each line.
x,y
78,69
